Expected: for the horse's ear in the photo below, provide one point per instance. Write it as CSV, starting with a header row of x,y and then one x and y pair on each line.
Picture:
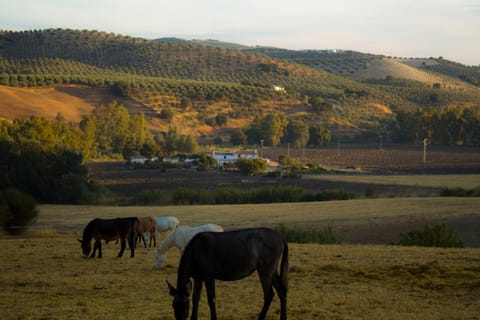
x,y
171,289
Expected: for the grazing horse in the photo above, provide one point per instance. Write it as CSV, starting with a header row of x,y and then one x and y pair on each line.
x,y
179,238
165,223
109,229
228,256
146,225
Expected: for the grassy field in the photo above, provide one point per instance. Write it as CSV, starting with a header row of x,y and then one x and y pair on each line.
x,y
46,278
362,221
42,274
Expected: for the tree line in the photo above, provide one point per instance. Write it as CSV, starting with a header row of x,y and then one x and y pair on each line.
x,y
449,126
274,129
47,158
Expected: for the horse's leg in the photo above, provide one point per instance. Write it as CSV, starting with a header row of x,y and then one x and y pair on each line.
x,y
210,286
92,255
122,246
152,238
99,248
266,280
131,241
144,240
138,239
281,289
197,290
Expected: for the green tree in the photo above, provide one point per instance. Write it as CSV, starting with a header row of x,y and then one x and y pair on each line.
x,y
319,136
112,124
250,167
238,137
273,128
297,133
206,162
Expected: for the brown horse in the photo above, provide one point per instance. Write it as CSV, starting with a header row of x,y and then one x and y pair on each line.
x,y
228,256
109,230
145,226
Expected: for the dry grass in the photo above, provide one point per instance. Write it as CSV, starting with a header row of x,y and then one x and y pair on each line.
x,y
401,69
45,278
363,221
73,102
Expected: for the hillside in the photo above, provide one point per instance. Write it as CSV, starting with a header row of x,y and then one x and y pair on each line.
x,y
199,80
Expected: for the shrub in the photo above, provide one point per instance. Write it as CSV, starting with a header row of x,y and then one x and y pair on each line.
x,y
331,194
250,167
147,197
297,235
17,210
276,194
370,192
234,196
183,196
460,192
431,236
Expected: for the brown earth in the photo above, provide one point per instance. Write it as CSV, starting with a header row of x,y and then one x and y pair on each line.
x,y
72,102
362,160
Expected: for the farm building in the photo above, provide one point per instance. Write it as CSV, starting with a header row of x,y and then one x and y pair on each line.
x,y
140,160
223,157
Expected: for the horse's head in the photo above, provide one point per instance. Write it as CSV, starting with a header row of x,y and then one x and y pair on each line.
x,y
86,247
181,302
159,260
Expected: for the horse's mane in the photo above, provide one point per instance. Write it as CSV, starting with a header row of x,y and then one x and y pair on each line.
x,y
87,231
179,238
167,243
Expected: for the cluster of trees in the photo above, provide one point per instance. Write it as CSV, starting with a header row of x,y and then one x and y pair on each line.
x,y
450,126
46,158
274,129
52,176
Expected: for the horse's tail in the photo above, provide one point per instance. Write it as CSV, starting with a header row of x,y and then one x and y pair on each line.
x,y
284,265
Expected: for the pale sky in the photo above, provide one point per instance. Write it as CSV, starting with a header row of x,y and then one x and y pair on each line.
x,y
403,28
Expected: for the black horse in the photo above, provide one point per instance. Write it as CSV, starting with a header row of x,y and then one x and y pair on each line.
x,y
109,229
229,256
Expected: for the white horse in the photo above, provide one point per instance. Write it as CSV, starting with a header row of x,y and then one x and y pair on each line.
x,y
165,223
179,238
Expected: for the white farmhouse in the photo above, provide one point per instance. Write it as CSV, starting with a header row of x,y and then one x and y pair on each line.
x,y
223,157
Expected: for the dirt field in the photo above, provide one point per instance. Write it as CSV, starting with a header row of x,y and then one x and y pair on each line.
x,y
389,159
360,161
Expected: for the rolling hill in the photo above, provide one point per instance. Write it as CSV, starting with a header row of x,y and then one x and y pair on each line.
x,y
70,71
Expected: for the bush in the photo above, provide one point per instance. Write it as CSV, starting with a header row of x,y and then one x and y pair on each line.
x,y
147,197
330,194
460,192
431,236
17,210
273,194
296,235
250,167
183,196
235,196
